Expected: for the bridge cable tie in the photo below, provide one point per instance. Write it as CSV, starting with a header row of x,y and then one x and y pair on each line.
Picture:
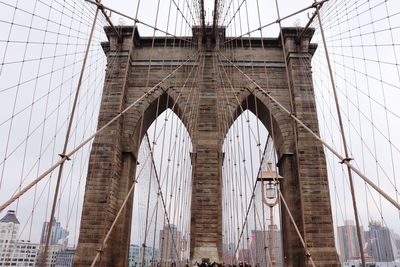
x,y
64,156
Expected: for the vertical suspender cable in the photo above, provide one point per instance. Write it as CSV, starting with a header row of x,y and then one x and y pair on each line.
x,y
63,154
346,152
317,137
293,112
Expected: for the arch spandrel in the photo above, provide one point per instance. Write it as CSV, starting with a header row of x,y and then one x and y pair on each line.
x,y
256,100
111,173
140,118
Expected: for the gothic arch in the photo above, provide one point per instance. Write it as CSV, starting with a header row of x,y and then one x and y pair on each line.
x,y
138,120
113,157
300,174
260,107
112,169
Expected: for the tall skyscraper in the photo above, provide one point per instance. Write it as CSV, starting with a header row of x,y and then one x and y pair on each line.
x,y
170,245
348,243
381,243
14,252
58,242
59,235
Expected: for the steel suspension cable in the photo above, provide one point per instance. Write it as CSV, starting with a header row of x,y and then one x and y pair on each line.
x,y
341,158
86,141
66,141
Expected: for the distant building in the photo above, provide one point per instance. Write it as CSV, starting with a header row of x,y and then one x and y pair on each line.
x,y
59,235
381,244
348,242
357,263
57,256
228,254
170,245
20,253
261,244
57,244
136,253
397,245
51,255
277,255
245,255
15,252
64,258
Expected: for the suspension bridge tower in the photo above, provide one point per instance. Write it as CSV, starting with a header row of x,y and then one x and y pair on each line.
x,y
277,63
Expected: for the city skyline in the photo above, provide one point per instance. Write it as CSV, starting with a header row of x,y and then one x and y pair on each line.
x,y
16,252
380,243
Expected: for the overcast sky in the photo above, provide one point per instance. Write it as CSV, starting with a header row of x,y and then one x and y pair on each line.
x,y
365,58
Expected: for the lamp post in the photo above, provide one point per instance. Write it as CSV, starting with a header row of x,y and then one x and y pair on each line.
x,y
269,194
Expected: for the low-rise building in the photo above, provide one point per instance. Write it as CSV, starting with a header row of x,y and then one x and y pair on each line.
x,y
64,258
136,253
14,252
51,255
357,263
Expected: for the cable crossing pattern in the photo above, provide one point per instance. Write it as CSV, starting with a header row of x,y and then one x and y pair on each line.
x,y
199,133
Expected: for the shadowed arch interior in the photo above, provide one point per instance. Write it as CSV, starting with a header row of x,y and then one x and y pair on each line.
x,y
261,109
152,111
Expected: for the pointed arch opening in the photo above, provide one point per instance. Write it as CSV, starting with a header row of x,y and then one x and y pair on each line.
x,y
251,228
159,230
138,121
268,114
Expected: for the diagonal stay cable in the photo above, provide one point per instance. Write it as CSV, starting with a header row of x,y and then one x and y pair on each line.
x,y
86,141
343,137
275,21
340,157
66,140
132,188
254,186
245,222
136,20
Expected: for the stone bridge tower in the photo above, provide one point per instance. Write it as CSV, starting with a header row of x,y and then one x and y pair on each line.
x,y
113,158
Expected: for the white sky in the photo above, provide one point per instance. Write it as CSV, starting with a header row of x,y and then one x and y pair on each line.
x,y
360,61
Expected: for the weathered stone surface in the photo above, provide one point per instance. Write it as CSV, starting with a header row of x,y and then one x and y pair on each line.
x,y
112,163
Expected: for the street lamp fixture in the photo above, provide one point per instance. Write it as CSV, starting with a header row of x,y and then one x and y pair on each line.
x,y
269,185
269,194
